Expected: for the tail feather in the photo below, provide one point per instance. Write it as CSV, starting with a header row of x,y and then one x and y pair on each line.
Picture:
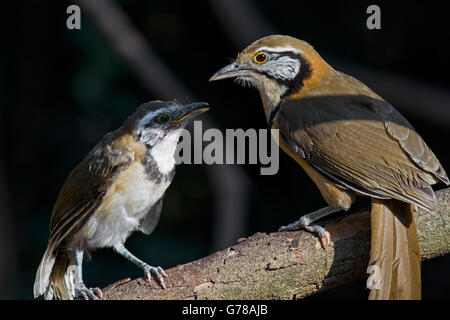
x,y
53,280
61,279
42,280
395,250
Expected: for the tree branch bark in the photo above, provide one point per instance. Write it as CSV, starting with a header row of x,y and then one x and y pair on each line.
x,y
286,265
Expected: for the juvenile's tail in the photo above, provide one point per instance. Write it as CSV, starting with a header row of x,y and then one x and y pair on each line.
x,y
42,281
53,279
395,251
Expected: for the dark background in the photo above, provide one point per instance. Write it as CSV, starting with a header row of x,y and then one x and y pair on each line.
x,y
62,90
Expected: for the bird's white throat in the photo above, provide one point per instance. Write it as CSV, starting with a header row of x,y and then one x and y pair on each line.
x,y
163,152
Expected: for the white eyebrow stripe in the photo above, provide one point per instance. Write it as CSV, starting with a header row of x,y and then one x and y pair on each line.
x,y
146,118
279,49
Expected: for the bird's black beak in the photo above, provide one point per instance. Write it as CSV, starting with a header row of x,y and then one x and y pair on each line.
x,y
190,111
232,70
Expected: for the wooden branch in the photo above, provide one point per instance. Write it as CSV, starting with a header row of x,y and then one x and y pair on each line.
x,y
286,265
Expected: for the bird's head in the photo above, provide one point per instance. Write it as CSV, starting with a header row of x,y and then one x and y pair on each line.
x,y
154,121
278,66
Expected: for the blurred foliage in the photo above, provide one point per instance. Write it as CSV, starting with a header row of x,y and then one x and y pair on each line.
x,y
63,90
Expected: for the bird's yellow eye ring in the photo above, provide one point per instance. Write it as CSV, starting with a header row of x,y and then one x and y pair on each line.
x,y
260,58
164,118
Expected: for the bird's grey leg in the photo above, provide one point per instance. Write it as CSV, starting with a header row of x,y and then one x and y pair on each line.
x,y
306,222
81,291
148,270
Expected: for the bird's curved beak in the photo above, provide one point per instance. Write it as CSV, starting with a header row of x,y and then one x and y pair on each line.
x,y
232,70
191,110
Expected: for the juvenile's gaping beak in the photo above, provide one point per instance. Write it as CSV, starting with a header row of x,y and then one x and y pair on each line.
x,y
232,70
191,110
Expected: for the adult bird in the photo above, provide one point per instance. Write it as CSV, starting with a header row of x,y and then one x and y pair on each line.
x,y
117,189
350,142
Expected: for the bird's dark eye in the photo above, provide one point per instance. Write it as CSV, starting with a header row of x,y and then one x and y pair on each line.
x,y
260,57
164,118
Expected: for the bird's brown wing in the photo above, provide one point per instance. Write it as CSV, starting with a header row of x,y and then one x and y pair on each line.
x,y
408,139
83,191
362,143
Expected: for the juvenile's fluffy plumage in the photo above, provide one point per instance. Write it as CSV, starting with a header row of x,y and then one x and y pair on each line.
x,y
117,189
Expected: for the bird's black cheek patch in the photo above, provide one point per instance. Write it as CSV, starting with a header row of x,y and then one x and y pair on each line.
x,y
296,84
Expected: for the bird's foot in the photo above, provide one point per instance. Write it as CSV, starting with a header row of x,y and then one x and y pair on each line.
x,y
305,223
156,271
82,292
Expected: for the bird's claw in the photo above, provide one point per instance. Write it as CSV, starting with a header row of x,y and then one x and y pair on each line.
x,y
305,223
296,225
289,227
158,272
88,293
324,235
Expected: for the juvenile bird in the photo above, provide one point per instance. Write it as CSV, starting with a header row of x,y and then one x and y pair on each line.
x,y
350,142
117,189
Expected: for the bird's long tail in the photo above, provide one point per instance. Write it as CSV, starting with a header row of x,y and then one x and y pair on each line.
x,y
395,251
53,278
